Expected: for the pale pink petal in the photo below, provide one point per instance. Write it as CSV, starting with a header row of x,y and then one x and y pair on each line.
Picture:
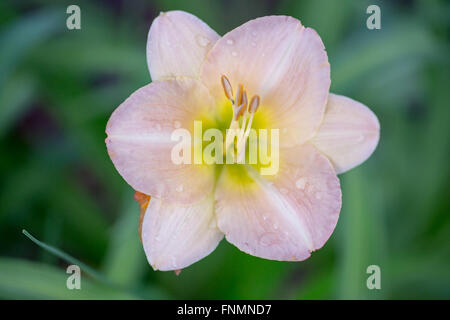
x,y
287,217
139,140
349,133
175,237
281,61
177,45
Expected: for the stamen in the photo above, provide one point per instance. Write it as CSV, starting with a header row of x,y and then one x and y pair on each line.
x,y
239,111
253,107
244,103
227,88
254,104
244,98
239,94
239,104
244,121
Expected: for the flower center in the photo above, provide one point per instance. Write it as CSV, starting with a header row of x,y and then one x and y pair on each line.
x,y
239,105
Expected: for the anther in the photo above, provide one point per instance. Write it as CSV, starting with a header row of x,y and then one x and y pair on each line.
x,y
239,111
244,100
227,88
243,106
239,94
254,104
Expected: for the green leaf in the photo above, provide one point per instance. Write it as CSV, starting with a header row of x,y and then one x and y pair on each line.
x,y
15,98
21,279
125,260
366,52
360,237
66,257
21,35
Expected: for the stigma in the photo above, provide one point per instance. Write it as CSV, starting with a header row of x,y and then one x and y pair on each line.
x,y
239,104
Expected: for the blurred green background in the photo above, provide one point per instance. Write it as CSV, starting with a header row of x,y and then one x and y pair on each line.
x,y
58,88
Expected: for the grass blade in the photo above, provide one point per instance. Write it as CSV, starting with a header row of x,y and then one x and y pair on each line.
x,y
68,258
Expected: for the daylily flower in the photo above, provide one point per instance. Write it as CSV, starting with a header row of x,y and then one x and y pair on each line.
x,y
195,73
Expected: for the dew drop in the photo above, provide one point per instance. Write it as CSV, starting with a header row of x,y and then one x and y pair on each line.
x,y
230,42
300,183
275,226
264,217
318,195
202,41
234,53
158,239
180,188
254,33
268,239
177,124
174,261
360,138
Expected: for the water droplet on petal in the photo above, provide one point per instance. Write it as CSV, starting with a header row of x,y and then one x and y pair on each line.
x,y
180,188
264,217
318,195
360,138
268,239
174,261
234,53
202,41
254,33
275,226
157,238
230,42
300,183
